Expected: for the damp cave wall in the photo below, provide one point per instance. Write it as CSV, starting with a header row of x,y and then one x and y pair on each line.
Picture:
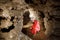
x,y
16,8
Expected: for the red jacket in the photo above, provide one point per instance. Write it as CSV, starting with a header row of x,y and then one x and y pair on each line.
x,y
35,27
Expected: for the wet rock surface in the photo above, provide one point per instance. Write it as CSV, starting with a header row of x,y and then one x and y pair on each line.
x,y
15,21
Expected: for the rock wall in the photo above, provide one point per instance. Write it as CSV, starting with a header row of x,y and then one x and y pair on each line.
x,y
12,19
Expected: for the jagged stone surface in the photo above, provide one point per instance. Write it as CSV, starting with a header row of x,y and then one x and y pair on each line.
x,y
11,12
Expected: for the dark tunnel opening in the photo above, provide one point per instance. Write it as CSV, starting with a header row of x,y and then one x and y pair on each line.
x,y
26,18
